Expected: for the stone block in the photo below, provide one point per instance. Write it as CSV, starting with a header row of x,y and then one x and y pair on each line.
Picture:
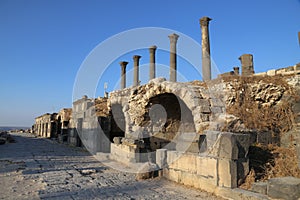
x,y
216,110
243,142
242,169
161,158
271,72
185,140
297,67
117,140
298,151
227,145
227,171
216,102
261,74
284,188
123,153
173,175
259,187
189,179
172,157
207,168
211,137
190,147
204,109
187,162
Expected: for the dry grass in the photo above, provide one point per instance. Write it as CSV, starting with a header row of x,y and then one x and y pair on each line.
x,y
267,161
270,162
250,179
274,118
284,163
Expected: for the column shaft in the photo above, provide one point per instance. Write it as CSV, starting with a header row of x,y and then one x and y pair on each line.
x,y
206,61
123,65
152,50
173,57
136,59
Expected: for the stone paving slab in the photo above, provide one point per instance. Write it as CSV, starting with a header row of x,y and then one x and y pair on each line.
x,y
37,168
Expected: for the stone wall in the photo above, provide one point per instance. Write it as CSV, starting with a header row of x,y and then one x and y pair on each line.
x,y
222,163
291,70
45,125
91,124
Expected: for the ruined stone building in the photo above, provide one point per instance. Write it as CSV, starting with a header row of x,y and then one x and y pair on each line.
x,y
196,133
55,125
46,125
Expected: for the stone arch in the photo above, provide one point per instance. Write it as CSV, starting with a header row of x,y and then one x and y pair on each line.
x,y
166,116
189,94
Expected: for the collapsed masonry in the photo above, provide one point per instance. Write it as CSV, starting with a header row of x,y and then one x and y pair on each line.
x,y
188,130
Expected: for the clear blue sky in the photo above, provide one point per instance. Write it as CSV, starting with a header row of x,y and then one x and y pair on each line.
x,y
43,43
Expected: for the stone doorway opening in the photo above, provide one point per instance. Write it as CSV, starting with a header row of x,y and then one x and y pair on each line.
x,y
117,128
167,117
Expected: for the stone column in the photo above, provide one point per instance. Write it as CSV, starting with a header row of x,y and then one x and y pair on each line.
x,y
152,50
206,62
123,74
236,71
247,64
173,57
136,60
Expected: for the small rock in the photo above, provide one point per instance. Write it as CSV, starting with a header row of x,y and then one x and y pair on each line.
x,y
87,171
284,188
148,170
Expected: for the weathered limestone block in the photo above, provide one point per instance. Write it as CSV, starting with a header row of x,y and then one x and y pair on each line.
x,y
217,102
124,153
187,162
271,72
204,109
227,171
172,157
227,145
161,158
207,168
216,110
171,174
298,151
187,142
188,179
284,188
259,187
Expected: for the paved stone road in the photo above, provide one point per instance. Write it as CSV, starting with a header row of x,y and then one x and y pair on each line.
x,y
36,168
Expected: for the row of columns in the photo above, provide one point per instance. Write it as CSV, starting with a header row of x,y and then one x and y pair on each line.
x,y
136,59
206,61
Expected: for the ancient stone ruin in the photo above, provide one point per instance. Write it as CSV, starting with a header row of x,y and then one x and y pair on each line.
x,y
195,133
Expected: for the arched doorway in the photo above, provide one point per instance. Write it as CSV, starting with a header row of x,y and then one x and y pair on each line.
x,y
167,116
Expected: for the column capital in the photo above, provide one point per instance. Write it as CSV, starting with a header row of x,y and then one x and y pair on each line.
x,y
123,63
204,21
136,57
173,37
153,47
